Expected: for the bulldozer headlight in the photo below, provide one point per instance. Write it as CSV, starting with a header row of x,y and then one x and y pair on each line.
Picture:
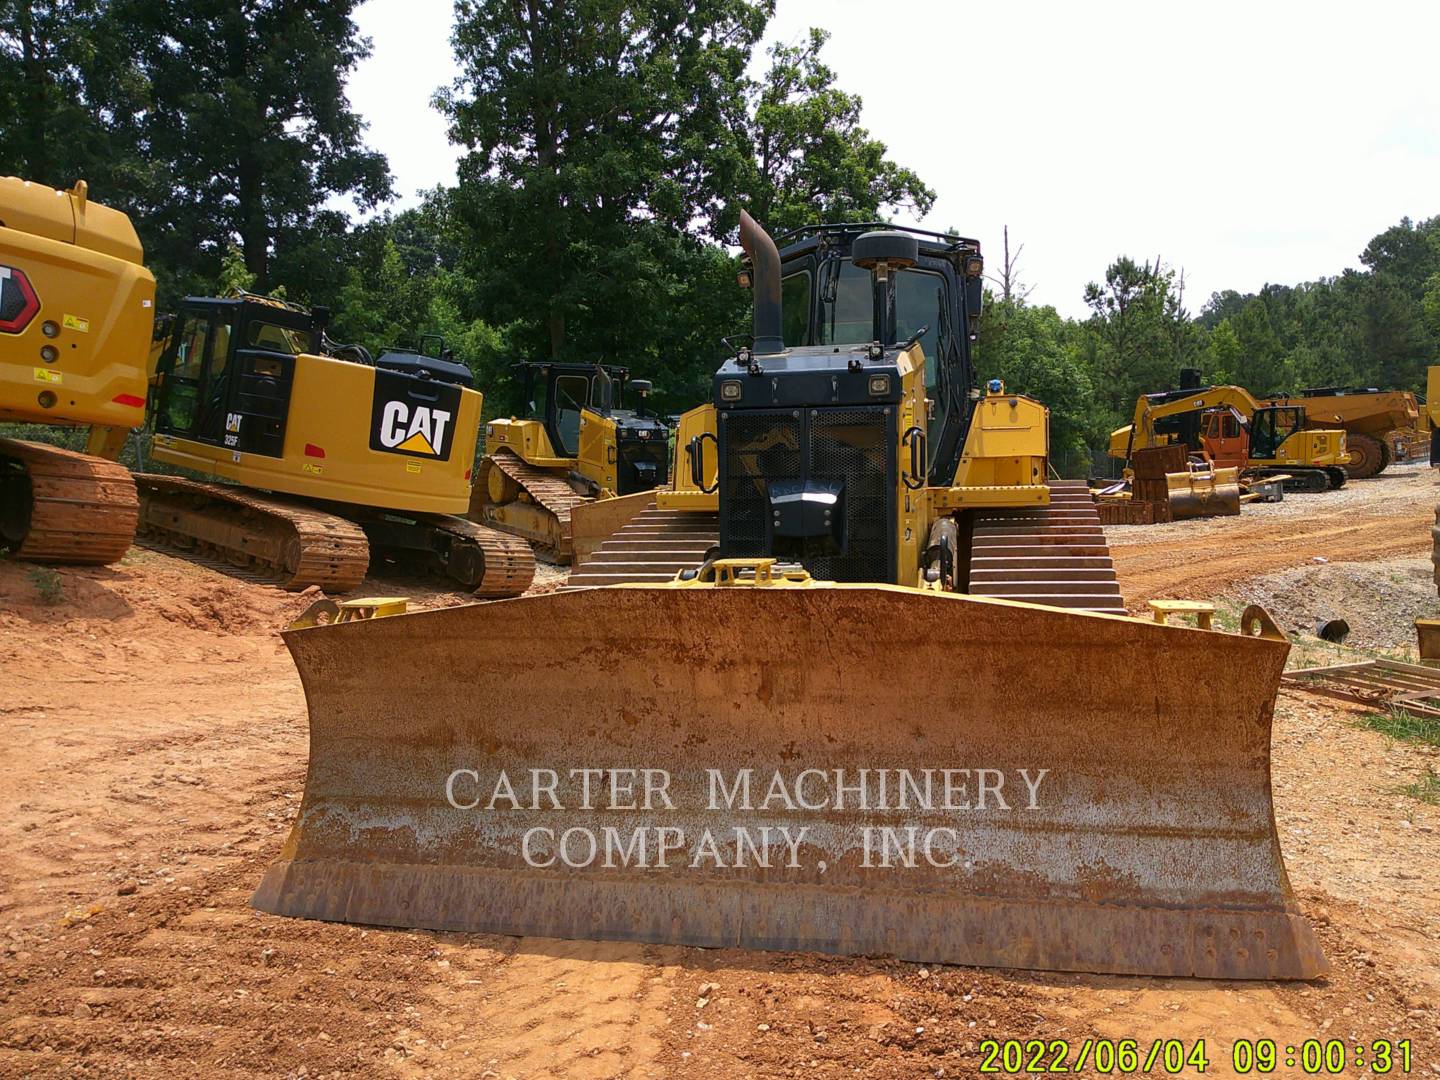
x,y
974,266
879,385
731,390
743,277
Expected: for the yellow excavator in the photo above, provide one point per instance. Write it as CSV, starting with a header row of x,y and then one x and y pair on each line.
x,y
580,444
77,312
831,734
1376,422
333,457
336,459
1231,429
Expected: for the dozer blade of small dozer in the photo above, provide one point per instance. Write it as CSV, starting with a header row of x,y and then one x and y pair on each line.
x,y
862,770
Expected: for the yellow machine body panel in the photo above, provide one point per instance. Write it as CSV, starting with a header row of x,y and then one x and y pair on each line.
x,y
77,310
683,493
1372,414
328,451
528,439
597,460
1006,453
1309,447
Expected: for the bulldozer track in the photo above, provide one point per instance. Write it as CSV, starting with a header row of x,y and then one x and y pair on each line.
x,y
287,543
61,506
509,563
652,547
551,493
1054,555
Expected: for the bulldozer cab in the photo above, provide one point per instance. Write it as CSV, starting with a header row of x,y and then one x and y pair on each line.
x,y
827,299
556,394
226,375
627,449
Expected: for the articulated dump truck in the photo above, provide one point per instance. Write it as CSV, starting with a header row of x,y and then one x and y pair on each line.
x,y
824,736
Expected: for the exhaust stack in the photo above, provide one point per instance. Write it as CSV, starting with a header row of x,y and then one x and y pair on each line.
x,y
765,265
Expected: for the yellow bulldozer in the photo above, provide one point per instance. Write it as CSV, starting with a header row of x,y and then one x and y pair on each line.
x,y
333,457
896,711
580,444
1231,429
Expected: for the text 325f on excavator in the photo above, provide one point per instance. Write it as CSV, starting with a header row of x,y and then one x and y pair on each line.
x,y
579,444
1231,429
359,458
1149,848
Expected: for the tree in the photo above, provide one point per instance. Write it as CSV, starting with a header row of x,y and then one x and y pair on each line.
x,y
1139,333
811,159
249,130
597,133
69,91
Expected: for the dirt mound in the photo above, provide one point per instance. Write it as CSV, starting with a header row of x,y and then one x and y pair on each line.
x,y
1380,601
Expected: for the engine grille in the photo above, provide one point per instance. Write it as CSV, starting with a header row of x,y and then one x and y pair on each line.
x,y
855,447
632,476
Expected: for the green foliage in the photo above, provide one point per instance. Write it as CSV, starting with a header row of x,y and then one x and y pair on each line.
x,y
1035,352
210,123
811,161
1426,789
1138,335
1404,726
48,585
234,275
597,132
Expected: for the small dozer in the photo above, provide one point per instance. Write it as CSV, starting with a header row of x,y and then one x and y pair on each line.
x,y
816,740
580,444
334,458
77,313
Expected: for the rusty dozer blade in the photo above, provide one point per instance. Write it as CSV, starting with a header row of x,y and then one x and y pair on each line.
x,y
1147,844
1203,492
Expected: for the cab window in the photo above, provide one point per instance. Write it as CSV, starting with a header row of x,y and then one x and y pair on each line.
x,y
274,338
848,319
190,353
919,296
572,393
795,309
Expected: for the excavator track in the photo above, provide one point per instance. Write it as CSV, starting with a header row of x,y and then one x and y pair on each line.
x,y
652,547
60,506
286,542
506,563
1054,555
552,494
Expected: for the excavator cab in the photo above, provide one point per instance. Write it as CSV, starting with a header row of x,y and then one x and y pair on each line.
x,y
227,373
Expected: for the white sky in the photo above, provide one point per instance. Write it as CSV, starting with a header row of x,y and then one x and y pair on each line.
x,y
1247,142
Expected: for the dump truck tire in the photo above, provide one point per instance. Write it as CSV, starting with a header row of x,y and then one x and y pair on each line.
x,y
1148,847
1368,456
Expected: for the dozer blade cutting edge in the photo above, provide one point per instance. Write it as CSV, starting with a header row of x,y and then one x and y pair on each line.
x,y
1116,814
